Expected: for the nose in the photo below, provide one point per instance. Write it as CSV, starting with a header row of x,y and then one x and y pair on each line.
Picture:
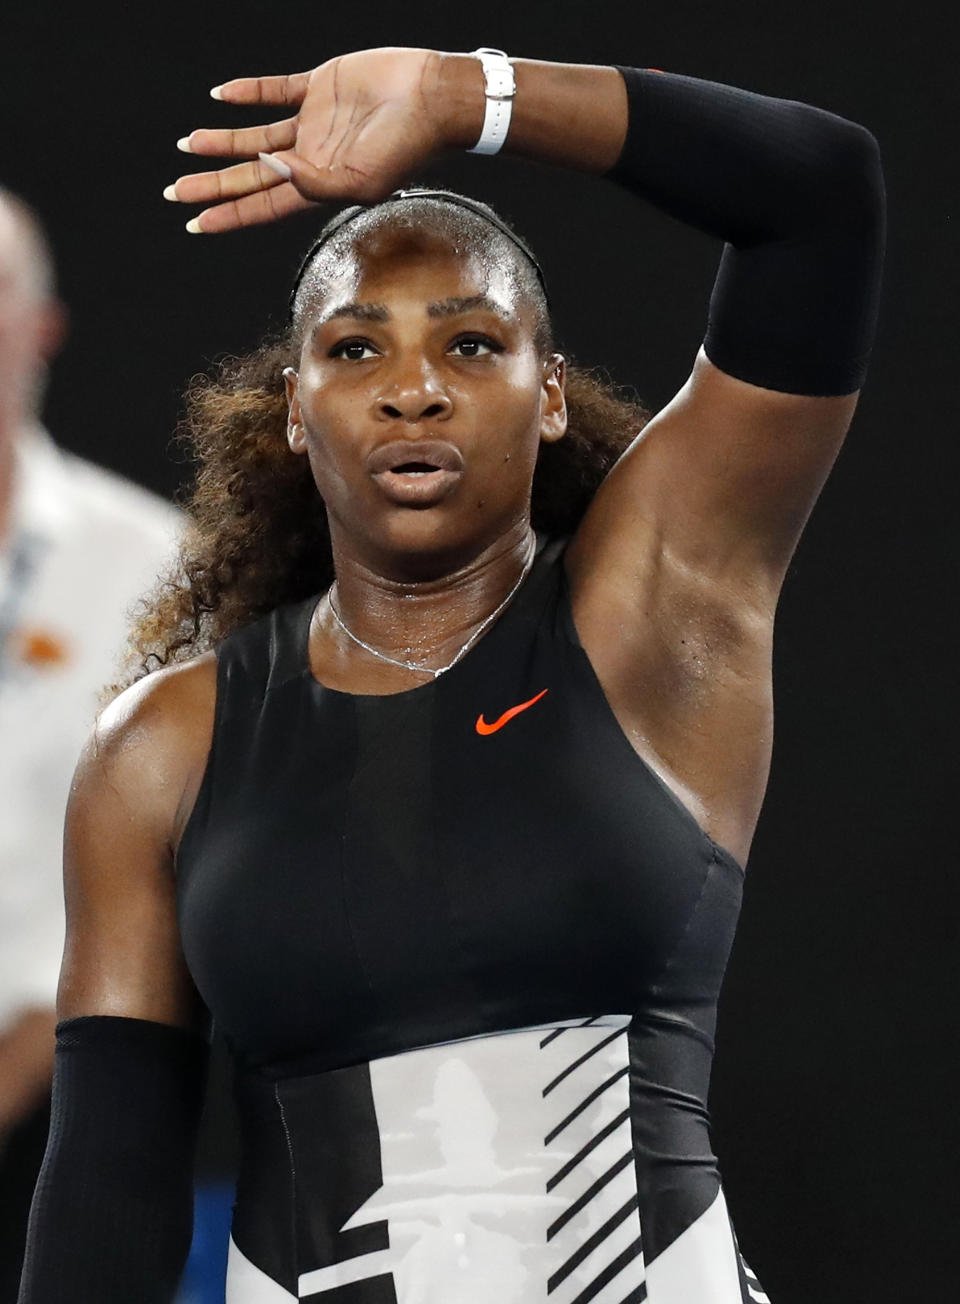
x,y
415,394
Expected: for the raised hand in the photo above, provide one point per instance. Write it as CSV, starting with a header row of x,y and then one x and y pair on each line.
x,y
365,124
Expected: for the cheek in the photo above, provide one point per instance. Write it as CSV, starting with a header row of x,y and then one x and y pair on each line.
x,y
329,461
526,422
336,456
515,395
508,435
517,445
329,422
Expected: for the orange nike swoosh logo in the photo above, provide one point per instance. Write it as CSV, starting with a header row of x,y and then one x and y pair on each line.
x,y
484,728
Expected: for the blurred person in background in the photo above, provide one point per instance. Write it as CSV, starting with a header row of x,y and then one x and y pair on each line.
x,y
78,545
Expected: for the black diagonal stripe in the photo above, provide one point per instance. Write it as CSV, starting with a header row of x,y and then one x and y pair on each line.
x,y
636,1296
582,1060
608,1274
592,1144
551,1136
593,1189
589,1245
552,1036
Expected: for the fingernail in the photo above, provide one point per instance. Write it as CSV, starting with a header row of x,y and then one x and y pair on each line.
x,y
194,227
170,192
184,144
215,93
276,165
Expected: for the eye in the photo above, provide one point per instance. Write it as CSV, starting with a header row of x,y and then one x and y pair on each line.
x,y
475,346
353,350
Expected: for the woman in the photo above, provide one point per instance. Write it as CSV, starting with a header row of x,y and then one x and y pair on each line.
x,y
452,847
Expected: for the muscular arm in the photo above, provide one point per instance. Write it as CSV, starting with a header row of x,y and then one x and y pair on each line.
x,y
128,799
112,1211
727,474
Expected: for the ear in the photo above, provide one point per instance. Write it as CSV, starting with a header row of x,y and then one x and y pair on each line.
x,y
553,411
295,437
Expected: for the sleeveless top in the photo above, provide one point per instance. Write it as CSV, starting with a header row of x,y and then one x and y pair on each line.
x,y
465,947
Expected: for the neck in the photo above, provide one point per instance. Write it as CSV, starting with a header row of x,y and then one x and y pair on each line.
x,y
425,621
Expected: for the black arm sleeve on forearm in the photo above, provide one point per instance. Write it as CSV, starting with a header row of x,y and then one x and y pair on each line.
x,y
797,194
112,1214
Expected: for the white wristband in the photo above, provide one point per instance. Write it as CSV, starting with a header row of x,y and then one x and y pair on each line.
x,y
501,86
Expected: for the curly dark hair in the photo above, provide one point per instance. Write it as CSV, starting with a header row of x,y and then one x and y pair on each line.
x,y
258,536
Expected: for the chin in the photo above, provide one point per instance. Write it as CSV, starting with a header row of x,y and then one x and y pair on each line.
x,y
421,544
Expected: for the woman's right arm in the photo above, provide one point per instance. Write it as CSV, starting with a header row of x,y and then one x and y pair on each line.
x,y
112,1214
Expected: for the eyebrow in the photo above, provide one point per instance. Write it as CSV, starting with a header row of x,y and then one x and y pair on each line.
x,y
475,302
358,311
453,307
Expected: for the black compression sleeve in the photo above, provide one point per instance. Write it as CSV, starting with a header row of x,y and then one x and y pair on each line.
x,y
112,1213
797,193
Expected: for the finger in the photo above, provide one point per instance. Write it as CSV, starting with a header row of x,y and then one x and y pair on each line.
x,y
242,142
289,89
227,183
332,181
251,210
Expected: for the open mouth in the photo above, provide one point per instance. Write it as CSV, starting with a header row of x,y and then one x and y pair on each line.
x,y
416,473
414,468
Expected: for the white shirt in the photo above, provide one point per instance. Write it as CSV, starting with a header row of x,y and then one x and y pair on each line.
x,y
82,547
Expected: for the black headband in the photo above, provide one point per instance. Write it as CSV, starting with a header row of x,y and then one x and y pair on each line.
x,y
447,196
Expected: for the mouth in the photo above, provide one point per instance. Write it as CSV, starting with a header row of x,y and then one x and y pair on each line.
x,y
414,468
416,474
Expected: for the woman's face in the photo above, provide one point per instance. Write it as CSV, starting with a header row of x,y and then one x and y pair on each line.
x,y
421,402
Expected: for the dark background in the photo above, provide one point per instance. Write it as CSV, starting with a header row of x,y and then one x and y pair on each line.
x,y
834,1093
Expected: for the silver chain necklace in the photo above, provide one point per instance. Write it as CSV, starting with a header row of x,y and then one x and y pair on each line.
x,y
428,670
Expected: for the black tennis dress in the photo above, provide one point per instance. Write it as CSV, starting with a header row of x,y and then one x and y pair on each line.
x,y
466,948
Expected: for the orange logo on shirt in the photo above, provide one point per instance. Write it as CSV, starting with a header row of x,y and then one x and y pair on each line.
x,y
484,729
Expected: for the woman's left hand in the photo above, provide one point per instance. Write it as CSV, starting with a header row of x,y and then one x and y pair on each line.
x,y
365,124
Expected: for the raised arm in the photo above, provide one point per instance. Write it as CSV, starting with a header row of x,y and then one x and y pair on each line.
x,y
111,1217
727,474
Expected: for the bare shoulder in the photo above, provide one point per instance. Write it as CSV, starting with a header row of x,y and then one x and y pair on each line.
x,y
133,791
151,742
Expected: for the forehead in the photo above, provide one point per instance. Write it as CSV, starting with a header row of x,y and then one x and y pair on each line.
x,y
427,275
414,268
